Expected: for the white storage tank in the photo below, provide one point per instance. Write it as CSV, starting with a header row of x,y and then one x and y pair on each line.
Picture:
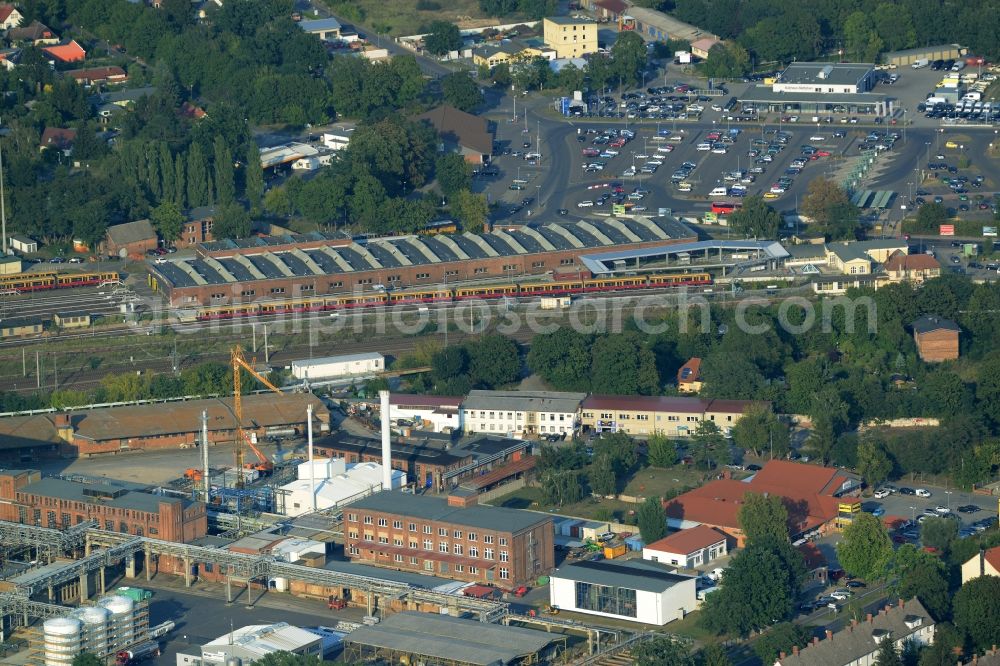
x,y
121,624
61,636
95,628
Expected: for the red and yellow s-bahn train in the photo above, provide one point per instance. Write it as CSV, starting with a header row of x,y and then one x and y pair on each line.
x,y
513,290
22,282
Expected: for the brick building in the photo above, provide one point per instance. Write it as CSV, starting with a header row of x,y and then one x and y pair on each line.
x,y
936,338
673,417
132,239
198,227
157,426
320,264
452,537
57,503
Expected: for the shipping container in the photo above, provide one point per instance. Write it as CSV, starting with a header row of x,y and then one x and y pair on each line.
x,y
613,551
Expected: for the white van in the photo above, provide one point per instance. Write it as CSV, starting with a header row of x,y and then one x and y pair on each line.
x,y
704,146
718,192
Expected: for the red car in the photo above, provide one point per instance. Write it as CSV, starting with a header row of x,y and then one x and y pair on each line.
x,y
822,153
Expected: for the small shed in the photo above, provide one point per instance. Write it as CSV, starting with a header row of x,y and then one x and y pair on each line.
x,y
15,328
22,244
936,338
72,319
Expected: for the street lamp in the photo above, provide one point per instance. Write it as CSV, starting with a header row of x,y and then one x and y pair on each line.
x,y
948,493
913,513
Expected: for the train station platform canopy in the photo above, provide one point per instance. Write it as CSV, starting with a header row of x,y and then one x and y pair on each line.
x,y
609,262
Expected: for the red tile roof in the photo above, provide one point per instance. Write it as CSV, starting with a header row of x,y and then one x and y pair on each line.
x,y
6,11
68,52
911,262
812,555
58,137
614,6
693,366
97,74
688,541
500,473
993,557
808,492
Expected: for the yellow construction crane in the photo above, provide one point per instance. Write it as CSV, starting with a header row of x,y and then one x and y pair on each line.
x,y
263,465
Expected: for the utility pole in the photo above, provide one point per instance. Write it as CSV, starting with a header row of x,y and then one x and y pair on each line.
x,y
24,362
38,372
253,327
266,355
3,208
55,370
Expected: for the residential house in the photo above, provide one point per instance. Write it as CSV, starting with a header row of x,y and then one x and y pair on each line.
x,y
95,75
10,17
22,243
689,376
468,134
9,58
848,258
989,658
646,415
569,36
491,55
528,412
901,267
453,537
632,590
327,29
58,138
68,51
688,548
132,239
984,563
818,499
701,47
936,338
859,642
35,33
122,98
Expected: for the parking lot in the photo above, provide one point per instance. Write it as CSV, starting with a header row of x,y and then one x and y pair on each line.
x,y
940,502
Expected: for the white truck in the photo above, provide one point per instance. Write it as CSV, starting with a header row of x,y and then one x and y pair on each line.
x,y
920,64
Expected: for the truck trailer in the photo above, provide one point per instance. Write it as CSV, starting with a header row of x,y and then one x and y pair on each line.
x,y
138,653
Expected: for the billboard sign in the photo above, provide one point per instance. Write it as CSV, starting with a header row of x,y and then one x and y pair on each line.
x,y
947,230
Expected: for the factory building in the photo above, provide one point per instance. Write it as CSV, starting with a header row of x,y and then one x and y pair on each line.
x,y
333,483
254,642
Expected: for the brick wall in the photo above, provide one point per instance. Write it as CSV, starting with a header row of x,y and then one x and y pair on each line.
x,y
939,345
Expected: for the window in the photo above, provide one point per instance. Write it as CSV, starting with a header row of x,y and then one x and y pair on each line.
x,y
423,276
414,544
414,561
397,558
504,573
369,536
473,570
473,551
503,541
382,522
450,273
488,554
606,599
247,292
459,568
480,270
673,418
442,546
487,538
397,524
427,529
354,550
565,262
368,520
428,565
277,290
412,527
642,417
457,534
397,542
456,549
428,544
353,534
538,264
383,539
336,285
471,536
394,278
306,287
443,531
509,267
504,557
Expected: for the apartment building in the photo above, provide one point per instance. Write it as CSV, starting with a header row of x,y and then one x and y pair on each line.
x,y
646,415
528,412
452,537
570,37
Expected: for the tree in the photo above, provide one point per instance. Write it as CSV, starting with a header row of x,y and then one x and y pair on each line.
x,y
780,638
828,205
763,517
887,654
755,219
461,91
760,431
225,184
562,358
471,209
199,183
921,574
759,588
977,611
602,477
866,549
168,220
652,520
873,462
449,362
442,37
930,216
728,60
708,447
232,221
714,655
494,361
662,651
628,54
622,365
938,533
87,659
662,452
283,658
942,652
453,173
254,176
561,487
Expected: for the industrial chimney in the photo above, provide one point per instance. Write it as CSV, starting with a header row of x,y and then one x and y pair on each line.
x,y
386,442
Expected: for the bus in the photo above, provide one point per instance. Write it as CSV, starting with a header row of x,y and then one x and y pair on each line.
x,y
724,207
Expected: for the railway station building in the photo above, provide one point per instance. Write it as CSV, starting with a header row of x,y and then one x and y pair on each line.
x,y
319,264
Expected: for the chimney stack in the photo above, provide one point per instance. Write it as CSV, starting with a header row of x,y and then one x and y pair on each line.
x,y
386,442
312,459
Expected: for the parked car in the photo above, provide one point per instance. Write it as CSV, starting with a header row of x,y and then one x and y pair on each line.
x,y
968,508
882,493
922,492
907,491
942,509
